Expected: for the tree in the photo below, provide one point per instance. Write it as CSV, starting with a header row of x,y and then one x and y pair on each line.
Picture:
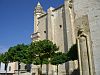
x,y
58,58
42,50
18,53
4,59
49,49
72,54
1,58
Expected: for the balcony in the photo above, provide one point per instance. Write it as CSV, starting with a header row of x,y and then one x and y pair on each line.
x,y
35,36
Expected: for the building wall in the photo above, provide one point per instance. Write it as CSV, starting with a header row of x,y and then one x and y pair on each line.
x,y
11,67
58,29
92,9
70,36
58,33
42,27
61,26
2,68
53,24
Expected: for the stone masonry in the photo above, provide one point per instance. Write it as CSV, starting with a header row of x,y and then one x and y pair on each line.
x,y
75,22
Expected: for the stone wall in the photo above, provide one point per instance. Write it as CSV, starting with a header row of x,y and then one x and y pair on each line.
x,y
58,26
51,26
42,27
92,9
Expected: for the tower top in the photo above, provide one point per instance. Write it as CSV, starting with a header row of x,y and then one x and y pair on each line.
x,y
38,8
38,4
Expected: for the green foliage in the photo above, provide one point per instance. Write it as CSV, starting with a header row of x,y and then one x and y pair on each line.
x,y
1,57
17,53
58,58
38,52
37,61
4,58
42,50
72,54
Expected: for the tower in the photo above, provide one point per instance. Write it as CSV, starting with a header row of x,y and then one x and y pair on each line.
x,y
37,13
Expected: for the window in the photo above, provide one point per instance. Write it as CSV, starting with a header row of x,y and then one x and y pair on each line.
x,y
44,31
9,68
60,26
28,67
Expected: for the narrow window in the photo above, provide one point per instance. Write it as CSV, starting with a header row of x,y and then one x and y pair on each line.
x,y
60,26
9,68
44,31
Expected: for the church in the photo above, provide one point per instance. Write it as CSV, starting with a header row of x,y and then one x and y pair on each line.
x,y
74,22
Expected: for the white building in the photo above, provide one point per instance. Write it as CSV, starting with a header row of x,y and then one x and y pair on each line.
x,y
12,69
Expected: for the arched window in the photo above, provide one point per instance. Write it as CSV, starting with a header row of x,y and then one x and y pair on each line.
x,y
9,68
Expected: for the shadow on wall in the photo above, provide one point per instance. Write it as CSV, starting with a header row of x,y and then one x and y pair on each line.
x,y
75,72
73,55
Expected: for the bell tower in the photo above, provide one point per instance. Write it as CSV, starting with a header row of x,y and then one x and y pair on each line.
x,y
37,13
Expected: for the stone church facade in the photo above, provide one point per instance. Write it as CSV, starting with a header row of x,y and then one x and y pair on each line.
x,y
74,22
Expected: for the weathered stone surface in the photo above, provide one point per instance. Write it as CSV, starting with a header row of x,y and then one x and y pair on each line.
x,y
61,26
91,8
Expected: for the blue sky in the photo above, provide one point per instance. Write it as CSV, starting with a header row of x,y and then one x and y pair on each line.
x,y
16,20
